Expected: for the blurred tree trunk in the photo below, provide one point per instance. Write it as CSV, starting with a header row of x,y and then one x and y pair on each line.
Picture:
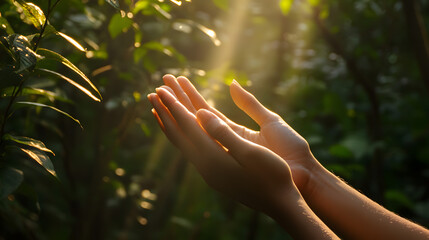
x,y
367,82
418,36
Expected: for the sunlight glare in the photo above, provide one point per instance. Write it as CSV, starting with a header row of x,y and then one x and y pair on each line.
x,y
120,172
178,3
146,205
148,195
223,56
142,220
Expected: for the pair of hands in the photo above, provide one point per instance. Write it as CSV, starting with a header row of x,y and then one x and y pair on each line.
x,y
261,169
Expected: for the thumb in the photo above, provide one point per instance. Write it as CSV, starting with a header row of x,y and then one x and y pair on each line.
x,y
250,105
222,133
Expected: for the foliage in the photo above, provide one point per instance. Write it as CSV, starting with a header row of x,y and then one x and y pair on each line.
x,y
73,76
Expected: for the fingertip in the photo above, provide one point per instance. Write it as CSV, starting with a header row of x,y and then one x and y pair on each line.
x,y
169,89
164,94
235,87
168,76
204,116
149,96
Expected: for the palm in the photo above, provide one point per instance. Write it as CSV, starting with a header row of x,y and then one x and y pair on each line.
x,y
280,138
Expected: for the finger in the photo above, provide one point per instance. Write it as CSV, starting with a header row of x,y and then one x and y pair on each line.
x,y
250,105
258,159
168,124
222,133
186,120
169,89
171,81
158,119
199,102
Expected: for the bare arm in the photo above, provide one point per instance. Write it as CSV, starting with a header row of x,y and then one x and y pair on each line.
x,y
352,214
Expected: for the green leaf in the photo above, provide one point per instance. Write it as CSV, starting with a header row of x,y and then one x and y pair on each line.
x,y
285,6
49,29
4,24
114,3
72,41
42,159
4,45
48,54
161,11
28,142
141,5
7,92
33,13
10,179
27,57
118,25
58,75
51,107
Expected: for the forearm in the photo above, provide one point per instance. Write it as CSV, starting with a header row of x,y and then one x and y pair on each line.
x,y
297,218
353,215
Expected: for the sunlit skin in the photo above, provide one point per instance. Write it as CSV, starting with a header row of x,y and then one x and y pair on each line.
x,y
241,169
257,167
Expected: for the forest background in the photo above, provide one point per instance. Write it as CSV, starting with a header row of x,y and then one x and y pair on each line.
x,y
83,158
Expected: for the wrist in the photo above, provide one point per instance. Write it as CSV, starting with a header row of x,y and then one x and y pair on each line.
x,y
298,219
315,173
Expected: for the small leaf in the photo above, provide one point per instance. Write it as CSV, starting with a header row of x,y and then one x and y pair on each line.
x,y
58,75
49,29
51,107
27,57
10,179
48,54
29,142
161,11
42,159
4,24
72,41
141,5
285,6
7,92
114,3
33,13
119,24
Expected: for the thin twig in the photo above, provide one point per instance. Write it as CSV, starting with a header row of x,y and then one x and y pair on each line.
x,y
50,8
6,115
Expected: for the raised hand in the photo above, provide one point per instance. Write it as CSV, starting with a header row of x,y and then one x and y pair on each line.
x,y
243,170
275,134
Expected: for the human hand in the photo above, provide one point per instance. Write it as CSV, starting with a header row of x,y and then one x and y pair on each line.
x,y
274,134
241,169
